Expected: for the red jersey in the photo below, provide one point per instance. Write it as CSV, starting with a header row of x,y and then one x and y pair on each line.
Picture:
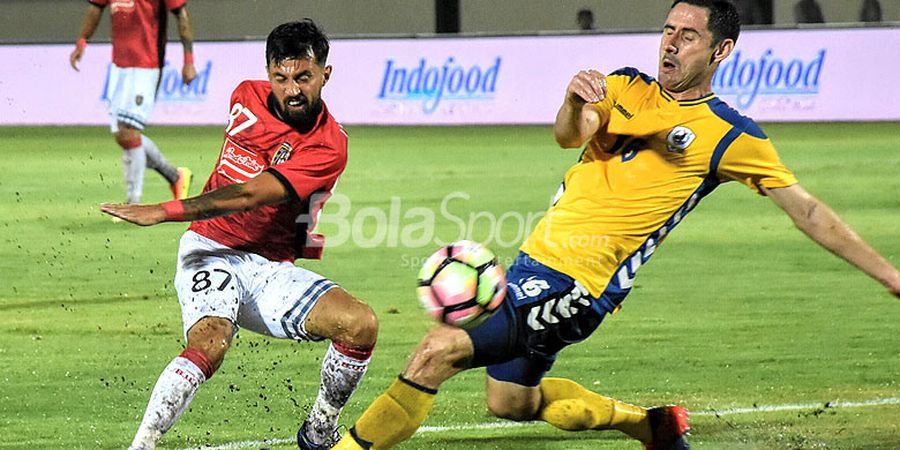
x,y
308,164
139,30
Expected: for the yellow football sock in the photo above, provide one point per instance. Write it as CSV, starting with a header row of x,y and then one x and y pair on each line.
x,y
392,418
567,405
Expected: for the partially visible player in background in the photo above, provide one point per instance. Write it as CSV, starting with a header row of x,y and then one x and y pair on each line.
x,y
654,148
138,47
282,156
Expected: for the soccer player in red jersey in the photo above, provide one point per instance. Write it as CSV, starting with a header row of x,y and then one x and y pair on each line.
x,y
282,155
139,44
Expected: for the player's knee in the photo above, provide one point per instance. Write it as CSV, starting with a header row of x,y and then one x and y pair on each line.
x,y
212,337
361,328
442,347
128,139
510,409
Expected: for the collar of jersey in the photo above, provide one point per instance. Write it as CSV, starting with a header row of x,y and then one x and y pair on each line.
x,y
691,102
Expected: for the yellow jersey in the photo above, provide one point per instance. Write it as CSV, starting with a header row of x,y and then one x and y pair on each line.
x,y
648,165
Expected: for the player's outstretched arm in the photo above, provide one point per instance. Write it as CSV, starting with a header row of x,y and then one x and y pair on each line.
x,y
577,120
88,26
824,226
186,31
263,190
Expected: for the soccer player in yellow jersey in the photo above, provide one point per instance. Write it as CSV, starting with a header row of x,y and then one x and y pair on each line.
x,y
654,148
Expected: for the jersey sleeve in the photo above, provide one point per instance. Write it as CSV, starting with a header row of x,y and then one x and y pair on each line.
x,y
754,162
616,83
175,4
312,169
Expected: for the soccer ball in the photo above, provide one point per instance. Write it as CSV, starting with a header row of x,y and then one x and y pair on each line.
x,y
461,284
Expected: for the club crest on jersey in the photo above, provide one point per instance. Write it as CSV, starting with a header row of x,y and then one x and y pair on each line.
x,y
138,100
238,163
680,138
282,154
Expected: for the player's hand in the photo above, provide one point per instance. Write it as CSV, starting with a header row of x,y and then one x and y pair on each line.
x,y
75,57
587,86
188,73
143,215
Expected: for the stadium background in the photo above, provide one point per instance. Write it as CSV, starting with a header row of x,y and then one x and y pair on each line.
x,y
773,343
56,20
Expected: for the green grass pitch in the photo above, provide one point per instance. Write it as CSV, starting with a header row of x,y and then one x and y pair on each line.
x,y
737,310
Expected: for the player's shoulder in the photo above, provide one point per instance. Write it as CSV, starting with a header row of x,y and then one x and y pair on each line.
x,y
251,90
331,126
632,74
739,121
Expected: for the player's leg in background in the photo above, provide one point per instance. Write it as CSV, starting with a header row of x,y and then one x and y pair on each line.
x,y
134,160
134,97
396,414
131,92
352,328
179,178
207,342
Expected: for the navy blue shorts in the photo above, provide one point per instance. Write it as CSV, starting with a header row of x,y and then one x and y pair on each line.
x,y
544,311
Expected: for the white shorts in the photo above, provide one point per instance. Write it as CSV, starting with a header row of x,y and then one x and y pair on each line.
x,y
270,298
131,93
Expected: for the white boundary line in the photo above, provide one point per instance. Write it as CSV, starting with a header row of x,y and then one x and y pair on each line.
x,y
498,425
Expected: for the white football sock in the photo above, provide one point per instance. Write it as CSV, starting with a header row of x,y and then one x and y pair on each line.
x,y
341,374
171,396
134,160
158,162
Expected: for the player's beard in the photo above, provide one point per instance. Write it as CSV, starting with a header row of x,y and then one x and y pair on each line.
x,y
302,120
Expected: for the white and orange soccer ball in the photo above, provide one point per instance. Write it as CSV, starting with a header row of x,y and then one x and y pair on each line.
x,y
461,284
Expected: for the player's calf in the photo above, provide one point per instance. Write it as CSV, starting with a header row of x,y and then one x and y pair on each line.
x,y
171,396
512,401
353,329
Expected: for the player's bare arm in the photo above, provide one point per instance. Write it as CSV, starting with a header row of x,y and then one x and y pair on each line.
x,y
824,226
577,120
263,190
88,26
186,31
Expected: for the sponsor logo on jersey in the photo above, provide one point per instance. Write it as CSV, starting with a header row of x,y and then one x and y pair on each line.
x,y
122,6
680,138
239,164
432,84
282,155
748,77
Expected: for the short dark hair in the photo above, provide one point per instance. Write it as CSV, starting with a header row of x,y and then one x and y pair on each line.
x,y
297,40
724,19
